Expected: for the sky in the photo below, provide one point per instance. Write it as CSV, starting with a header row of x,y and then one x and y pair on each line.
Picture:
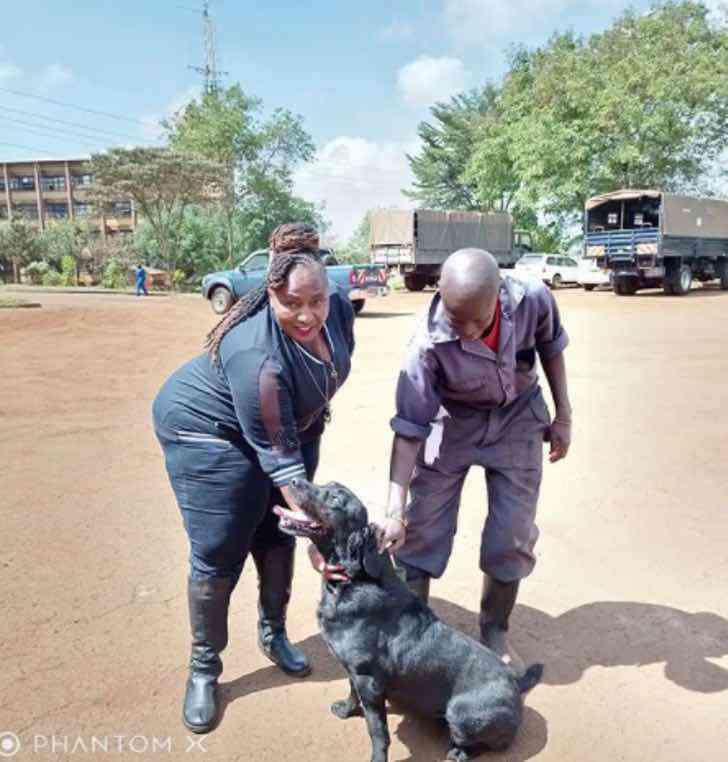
x,y
88,75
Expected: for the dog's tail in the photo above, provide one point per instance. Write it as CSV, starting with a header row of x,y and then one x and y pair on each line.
x,y
532,676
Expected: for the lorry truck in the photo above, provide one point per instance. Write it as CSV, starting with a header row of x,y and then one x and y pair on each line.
x,y
224,288
417,241
651,239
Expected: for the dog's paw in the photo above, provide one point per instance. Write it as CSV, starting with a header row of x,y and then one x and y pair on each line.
x,y
346,708
456,754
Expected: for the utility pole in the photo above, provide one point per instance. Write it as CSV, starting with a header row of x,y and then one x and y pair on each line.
x,y
209,71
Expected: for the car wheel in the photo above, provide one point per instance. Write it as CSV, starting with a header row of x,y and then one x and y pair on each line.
x,y
588,287
556,281
221,300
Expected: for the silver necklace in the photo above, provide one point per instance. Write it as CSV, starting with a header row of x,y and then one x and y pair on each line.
x,y
330,369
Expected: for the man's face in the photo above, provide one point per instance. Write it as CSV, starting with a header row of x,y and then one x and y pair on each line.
x,y
469,317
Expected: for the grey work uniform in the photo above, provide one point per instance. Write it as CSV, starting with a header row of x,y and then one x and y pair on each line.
x,y
475,407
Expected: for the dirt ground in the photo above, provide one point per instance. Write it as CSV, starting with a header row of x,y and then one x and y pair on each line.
x,y
627,606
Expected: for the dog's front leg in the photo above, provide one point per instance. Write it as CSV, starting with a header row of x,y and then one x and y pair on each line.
x,y
372,698
348,707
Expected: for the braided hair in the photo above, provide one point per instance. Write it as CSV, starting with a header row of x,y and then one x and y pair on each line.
x,y
287,252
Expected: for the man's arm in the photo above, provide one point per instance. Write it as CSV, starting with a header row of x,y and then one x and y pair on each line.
x,y
554,369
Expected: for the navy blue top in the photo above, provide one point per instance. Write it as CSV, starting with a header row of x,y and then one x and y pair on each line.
x,y
267,389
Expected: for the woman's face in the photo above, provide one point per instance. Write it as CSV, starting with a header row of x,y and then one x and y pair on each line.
x,y
302,305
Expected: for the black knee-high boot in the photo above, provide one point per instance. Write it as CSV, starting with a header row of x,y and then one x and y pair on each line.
x,y
208,600
275,576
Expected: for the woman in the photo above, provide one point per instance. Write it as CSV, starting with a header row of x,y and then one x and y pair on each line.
x,y
237,424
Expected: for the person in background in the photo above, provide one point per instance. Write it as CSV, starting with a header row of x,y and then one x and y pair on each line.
x,y
141,280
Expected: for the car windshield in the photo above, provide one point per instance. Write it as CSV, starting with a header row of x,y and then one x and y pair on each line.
x,y
530,259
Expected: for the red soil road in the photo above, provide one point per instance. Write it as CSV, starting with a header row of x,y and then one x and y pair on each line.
x,y
627,606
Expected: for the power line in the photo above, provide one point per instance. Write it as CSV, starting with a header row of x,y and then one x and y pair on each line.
x,y
55,136
53,131
71,105
26,148
70,124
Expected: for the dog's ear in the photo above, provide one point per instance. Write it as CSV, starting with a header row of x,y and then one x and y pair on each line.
x,y
362,554
372,560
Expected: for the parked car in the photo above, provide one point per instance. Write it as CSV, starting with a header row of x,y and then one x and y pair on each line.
x,y
592,275
553,269
224,288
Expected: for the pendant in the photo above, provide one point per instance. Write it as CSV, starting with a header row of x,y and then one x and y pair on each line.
x,y
327,414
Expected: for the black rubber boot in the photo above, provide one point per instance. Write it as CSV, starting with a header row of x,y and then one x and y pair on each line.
x,y
275,575
496,605
208,603
418,581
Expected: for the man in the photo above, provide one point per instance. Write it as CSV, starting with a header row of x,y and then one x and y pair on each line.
x,y
468,395
141,280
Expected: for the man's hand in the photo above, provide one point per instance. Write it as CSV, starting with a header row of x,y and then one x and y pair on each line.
x,y
392,536
330,572
560,438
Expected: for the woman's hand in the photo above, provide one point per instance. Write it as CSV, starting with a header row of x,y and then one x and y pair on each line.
x,y
560,438
330,572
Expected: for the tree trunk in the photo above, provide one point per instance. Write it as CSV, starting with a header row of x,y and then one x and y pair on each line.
x,y
16,276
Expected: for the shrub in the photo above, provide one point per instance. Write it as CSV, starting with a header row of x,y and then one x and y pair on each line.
x,y
115,274
53,278
35,272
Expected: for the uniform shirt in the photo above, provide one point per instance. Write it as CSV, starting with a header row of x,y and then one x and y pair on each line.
x,y
442,370
266,389
141,275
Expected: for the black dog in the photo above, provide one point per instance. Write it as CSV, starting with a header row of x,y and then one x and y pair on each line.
x,y
392,645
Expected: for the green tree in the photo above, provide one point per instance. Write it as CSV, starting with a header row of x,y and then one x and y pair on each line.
x,y
259,155
162,183
356,249
644,104
20,245
67,238
440,168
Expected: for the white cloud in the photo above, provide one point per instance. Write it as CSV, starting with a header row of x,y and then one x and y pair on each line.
x,y
152,128
52,77
481,21
352,175
397,31
718,9
427,80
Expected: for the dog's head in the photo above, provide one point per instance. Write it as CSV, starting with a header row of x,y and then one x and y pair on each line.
x,y
337,521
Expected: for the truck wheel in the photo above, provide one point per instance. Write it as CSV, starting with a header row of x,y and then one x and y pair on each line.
x,y
414,282
588,287
678,278
358,305
556,281
624,286
722,270
221,300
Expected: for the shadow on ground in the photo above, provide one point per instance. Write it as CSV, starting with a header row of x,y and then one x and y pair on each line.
x,y
605,633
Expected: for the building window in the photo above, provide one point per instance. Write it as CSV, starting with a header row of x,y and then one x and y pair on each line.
x,y
81,210
57,211
53,183
28,211
22,182
82,181
121,209
2,185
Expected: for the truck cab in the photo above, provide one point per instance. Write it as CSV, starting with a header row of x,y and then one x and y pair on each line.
x,y
649,239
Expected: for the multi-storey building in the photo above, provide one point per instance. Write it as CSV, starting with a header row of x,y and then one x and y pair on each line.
x,y
46,190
